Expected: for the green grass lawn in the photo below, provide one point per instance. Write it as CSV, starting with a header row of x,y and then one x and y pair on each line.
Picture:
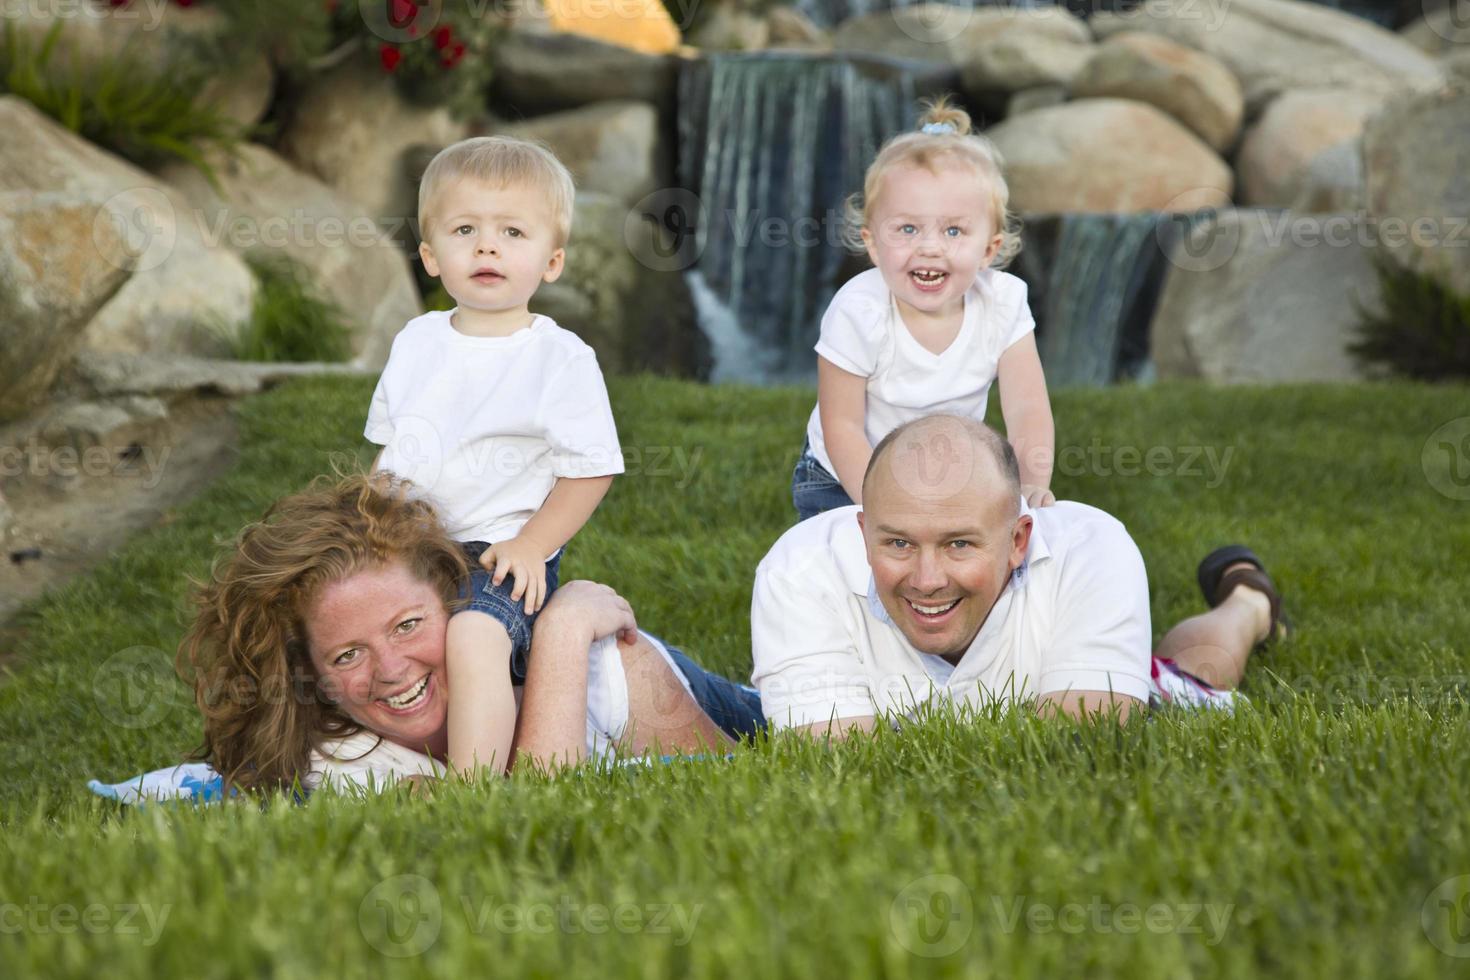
x,y
1325,831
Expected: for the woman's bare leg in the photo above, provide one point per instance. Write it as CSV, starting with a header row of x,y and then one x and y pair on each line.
x,y
1216,645
662,717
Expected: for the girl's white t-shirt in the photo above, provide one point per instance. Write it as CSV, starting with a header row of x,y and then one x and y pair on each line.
x,y
863,334
484,426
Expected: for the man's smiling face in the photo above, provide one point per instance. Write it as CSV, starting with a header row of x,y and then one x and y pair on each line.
x,y
943,535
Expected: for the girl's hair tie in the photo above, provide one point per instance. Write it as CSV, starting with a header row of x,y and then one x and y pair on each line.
x,y
938,128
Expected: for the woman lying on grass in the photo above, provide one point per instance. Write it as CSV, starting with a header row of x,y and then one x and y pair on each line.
x,y
317,654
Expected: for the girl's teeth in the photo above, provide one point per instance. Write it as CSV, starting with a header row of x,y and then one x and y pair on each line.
x,y
934,610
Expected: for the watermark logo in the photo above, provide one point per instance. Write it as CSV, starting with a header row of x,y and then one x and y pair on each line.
x,y
400,21
932,916
401,916
1445,459
143,219
1445,917
1454,26
1199,241
662,230
932,23
134,688
932,464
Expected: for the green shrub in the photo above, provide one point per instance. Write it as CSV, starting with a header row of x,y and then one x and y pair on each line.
x,y
145,112
290,321
1421,328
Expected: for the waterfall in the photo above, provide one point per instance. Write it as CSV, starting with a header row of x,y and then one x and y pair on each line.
x,y
830,13
1094,282
771,144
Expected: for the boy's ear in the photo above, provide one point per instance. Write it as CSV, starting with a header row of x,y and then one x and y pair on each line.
x,y
431,264
554,265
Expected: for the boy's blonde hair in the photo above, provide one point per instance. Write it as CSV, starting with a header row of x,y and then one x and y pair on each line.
x,y
502,161
929,150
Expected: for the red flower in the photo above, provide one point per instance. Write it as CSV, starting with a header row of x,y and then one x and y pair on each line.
x,y
389,56
442,37
184,3
458,53
404,11
117,3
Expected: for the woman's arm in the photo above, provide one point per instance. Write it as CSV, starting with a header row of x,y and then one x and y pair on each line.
x,y
552,728
1027,411
842,400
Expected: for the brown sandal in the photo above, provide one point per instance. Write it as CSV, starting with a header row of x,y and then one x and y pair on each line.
x,y
1217,584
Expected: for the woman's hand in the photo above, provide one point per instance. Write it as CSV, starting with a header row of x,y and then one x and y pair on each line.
x,y
592,606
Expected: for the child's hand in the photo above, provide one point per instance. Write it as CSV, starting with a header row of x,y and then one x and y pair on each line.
x,y
1037,496
523,560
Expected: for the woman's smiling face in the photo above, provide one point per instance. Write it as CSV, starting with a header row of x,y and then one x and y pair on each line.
x,y
377,645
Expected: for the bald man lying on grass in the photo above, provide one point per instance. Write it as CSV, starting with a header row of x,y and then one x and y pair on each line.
x,y
944,586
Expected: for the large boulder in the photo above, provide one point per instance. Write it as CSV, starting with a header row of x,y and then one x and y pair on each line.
x,y
1189,85
354,131
1416,158
1276,45
266,206
729,28
610,147
58,265
1016,61
638,25
1048,44
1264,296
1332,180
1293,131
790,28
637,315
188,292
541,72
1441,32
1108,155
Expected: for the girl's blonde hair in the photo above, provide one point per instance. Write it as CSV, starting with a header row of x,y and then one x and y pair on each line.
x,y
246,653
501,161
931,149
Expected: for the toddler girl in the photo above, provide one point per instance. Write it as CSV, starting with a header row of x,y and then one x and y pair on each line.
x,y
934,324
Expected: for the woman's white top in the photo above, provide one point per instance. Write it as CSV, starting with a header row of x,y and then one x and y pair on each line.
x,y
368,761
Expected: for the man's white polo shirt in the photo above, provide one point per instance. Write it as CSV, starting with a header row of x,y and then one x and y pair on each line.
x,y
1074,616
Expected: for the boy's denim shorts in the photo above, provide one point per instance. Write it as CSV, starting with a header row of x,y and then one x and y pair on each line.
x,y
814,490
495,601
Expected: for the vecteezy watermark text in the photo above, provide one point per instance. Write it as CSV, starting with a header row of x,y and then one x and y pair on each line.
x,y
402,916
36,917
934,916
1100,459
133,461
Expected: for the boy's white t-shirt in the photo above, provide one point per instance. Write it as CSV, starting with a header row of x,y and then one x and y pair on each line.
x,y
484,426
863,333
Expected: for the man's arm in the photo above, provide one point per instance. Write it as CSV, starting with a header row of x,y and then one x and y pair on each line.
x,y
806,665
1087,704
838,728
1097,657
